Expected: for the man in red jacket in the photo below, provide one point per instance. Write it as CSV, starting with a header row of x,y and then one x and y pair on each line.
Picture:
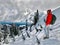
x,y
49,17
47,23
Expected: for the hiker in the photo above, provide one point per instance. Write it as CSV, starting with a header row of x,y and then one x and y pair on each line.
x,y
13,31
5,33
26,26
50,20
36,17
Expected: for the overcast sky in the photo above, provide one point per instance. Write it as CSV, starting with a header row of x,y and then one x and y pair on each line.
x,y
14,9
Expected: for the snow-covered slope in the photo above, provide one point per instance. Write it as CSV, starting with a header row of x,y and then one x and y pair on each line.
x,y
54,35
20,10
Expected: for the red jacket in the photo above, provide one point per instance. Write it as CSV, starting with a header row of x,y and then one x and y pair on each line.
x,y
49,17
